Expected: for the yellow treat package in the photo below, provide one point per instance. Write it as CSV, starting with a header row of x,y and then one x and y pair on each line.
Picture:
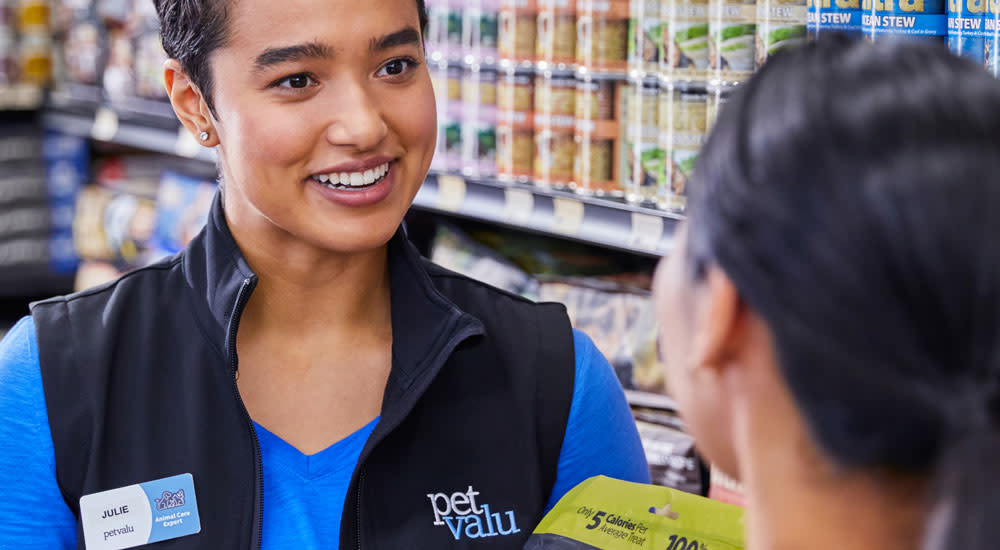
x,y
608,514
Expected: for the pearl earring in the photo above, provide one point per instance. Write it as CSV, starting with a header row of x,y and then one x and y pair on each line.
x,y
203,136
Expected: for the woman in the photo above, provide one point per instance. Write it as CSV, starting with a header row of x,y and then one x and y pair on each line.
x,y
298,377
830,317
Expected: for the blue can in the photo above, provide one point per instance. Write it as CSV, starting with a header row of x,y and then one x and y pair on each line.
x,y
840,16
920,19
974,31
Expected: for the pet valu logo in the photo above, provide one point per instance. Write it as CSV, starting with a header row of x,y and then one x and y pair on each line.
x,y
465,517
170,500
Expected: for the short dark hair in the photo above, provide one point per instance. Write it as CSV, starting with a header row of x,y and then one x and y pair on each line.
x,y
192,29
851,192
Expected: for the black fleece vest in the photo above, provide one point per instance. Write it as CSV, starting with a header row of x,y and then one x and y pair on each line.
x,y
139,386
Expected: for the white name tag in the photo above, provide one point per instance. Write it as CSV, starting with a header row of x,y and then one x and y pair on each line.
x,y
140,514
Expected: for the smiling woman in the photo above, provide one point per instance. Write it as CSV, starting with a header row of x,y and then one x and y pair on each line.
x,y
299,358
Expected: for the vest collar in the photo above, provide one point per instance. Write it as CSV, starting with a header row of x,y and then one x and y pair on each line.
x,y
425,323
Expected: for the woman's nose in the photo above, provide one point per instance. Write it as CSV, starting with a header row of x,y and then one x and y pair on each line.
x,y
359,122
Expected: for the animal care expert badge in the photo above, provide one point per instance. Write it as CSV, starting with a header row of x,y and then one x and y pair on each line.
x,y
140,514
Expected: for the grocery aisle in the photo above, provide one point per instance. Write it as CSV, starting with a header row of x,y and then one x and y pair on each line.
x,y
559,123
568,135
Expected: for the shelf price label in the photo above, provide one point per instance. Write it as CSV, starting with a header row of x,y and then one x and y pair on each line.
x,y
567,216
105,124
519,204
451,192
186,146
647,231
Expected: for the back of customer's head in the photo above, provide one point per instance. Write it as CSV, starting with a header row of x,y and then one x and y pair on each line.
x,y
851,194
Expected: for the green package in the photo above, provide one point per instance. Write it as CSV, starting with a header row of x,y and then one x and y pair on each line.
x,y
609,514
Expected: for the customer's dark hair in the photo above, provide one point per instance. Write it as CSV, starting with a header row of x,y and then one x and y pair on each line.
x,y
192,29
851,192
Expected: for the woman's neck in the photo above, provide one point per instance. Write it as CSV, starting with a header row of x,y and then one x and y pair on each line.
x,y
846,511
797,500
302,288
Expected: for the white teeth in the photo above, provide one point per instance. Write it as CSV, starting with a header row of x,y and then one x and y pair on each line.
x,y
354,179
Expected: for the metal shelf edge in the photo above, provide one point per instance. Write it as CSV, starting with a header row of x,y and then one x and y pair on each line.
x,y
650,400
607,224
129,134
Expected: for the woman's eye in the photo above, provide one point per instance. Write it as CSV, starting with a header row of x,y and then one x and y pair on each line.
x,y
296,81
395,67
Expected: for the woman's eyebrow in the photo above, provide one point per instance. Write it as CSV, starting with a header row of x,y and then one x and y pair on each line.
x,y
403,37
276,56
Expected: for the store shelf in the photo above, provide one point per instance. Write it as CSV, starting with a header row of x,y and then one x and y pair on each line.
x,y
592,220
574,71
133,122
21,97
650,400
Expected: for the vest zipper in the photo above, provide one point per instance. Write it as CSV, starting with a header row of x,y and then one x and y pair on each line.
x,y
242,297
361,480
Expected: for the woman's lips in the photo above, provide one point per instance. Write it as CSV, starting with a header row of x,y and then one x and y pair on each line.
x,y
357,193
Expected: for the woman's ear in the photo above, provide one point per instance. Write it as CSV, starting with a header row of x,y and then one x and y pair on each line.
x,y
189,104
720,329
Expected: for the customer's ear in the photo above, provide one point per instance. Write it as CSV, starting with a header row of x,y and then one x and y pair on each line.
x,y
721,326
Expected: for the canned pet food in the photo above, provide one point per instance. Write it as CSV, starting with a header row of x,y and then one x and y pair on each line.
x,y
33,16
518,30
683,129
780,24
685,40
974,32
149,54
555,109
479,124
732,32
516,93
556,43
149,59
8,20
9,72
645,36
716,100
82,51
838,16
515,126
447,84
921,19
35,58
643,160
454,36
119,78
602,35
596,134
479,31
453,128
436,35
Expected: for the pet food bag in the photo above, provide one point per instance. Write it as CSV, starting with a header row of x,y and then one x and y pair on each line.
x,y
608,514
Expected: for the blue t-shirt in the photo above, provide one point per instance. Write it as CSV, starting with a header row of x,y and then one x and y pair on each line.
x,y
601,439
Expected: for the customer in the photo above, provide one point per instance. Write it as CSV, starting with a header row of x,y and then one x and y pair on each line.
x,y
831,315
324,386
